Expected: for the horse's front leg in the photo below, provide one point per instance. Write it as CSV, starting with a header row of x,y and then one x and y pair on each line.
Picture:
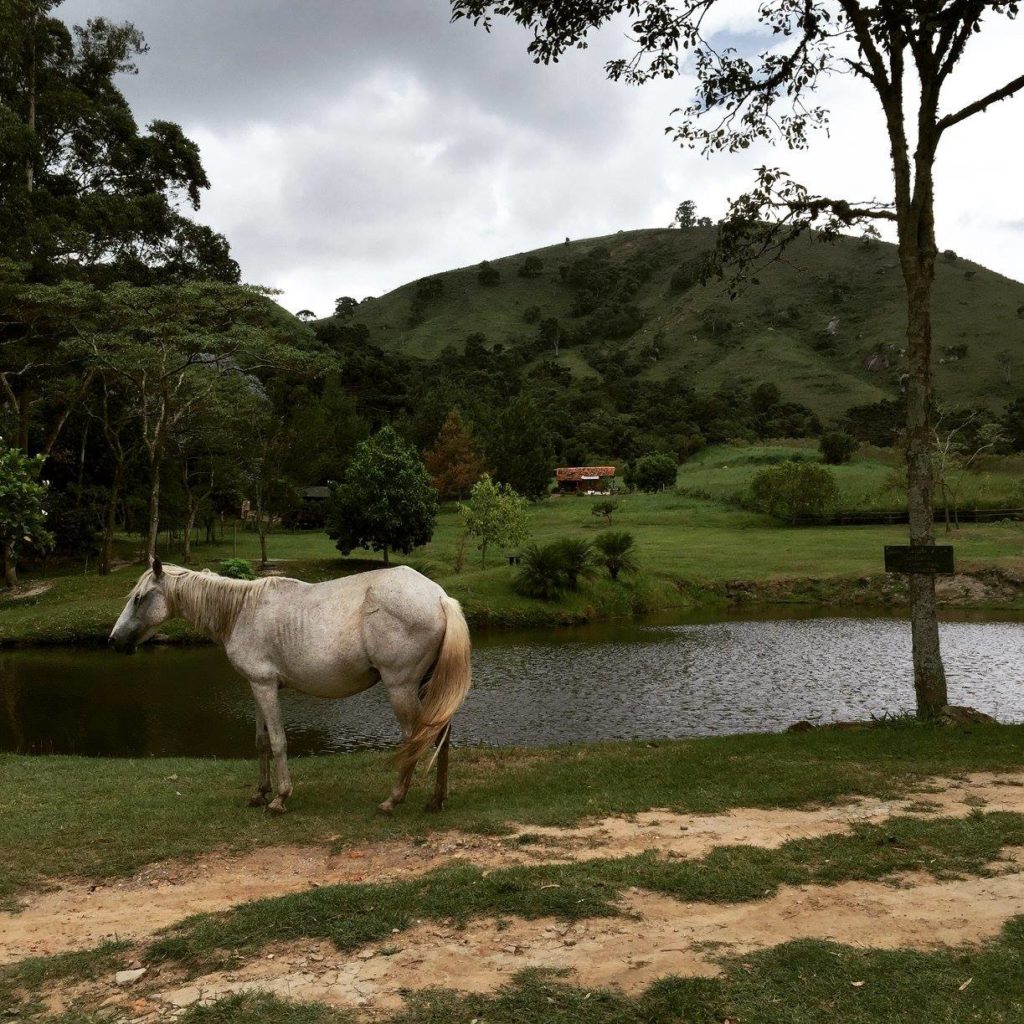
x,y
262,794
265,692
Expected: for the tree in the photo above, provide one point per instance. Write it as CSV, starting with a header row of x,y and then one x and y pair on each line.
x,y
518,448
454,463
532,266
345,307
306,315
794,490
653,472
906,55
386,501
960,441
604,510
541,573
686,214
84,192
488,275
837,447
494,514
22,508
615,551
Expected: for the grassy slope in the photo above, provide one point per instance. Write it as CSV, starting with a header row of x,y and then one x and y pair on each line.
x,y
680,540
767,346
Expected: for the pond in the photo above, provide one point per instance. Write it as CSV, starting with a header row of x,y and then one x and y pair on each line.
x,y
669,678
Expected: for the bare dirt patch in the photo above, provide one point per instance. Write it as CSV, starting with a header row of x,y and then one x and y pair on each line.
x,y
81,915
657,936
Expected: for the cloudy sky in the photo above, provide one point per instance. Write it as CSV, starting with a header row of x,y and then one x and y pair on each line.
x,y
354,145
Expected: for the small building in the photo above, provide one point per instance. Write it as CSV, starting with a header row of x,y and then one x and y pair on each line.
x,y
584,479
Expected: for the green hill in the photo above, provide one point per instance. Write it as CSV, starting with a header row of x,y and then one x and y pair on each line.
x,y
632,296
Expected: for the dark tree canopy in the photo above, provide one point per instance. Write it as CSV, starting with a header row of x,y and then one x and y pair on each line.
x,y
82,189
386,502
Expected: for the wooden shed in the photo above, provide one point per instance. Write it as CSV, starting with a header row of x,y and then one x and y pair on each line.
x,y
584,479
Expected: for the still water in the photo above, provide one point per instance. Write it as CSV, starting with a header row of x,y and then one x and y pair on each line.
x,y
608,681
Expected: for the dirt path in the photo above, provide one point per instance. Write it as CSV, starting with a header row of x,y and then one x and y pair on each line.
x,y
658,936
81,915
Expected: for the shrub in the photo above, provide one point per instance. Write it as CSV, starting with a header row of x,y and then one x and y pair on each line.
x,y
532,266
615,552
792,490
541,573
531,314
653,472
604,509
488,275
577,559
837,447
236,569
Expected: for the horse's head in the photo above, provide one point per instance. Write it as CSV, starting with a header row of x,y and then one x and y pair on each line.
x,y
148,608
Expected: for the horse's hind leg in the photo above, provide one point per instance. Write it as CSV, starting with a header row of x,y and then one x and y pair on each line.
x,y
262,794
405,702
437,801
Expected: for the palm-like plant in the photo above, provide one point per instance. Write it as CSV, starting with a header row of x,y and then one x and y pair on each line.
x,y
615,550
577,557
541,572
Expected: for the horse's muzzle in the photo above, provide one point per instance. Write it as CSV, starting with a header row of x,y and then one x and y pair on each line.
x,y
121,646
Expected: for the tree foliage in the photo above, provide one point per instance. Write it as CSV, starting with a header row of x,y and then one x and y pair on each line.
x,y
794,490
616,551
654,472
837,447
386,502
454,463
22,508
494,515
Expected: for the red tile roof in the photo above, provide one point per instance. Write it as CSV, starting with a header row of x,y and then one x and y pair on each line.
x,y
583,472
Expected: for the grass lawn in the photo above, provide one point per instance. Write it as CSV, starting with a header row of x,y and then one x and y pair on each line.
x,y
96,817
684,544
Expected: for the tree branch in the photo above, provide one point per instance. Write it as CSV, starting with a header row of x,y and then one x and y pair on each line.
x,y
978,106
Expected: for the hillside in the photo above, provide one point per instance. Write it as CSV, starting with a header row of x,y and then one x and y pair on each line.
x,y
634,298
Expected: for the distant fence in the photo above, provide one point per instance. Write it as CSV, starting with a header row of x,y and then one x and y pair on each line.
x,y
964,515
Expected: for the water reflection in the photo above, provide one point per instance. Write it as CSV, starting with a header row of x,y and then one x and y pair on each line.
x,y
613,681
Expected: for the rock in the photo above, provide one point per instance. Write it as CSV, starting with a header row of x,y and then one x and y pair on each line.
x,y
183,996
954,714
129,977
367,954
802,726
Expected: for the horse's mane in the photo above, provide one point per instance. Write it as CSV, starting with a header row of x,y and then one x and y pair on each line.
x,y
213,603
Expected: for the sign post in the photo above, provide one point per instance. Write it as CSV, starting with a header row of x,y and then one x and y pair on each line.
x,y
924,559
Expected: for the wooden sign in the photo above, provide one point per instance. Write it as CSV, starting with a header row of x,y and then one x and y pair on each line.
x,y
934,560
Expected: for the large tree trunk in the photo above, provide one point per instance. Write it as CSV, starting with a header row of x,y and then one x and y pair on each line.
x,y
107,553
154,510
918,266
186,552
7,565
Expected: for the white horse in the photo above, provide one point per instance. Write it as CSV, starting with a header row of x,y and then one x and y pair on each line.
x,y
330,639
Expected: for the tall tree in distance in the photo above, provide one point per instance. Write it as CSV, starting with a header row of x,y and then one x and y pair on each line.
x,y
454,464
905,52
386,502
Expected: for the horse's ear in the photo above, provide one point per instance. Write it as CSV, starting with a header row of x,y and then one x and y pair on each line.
x,y
158,568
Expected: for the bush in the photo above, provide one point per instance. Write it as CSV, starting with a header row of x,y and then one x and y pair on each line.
x,y
837,447
615,552
604,509
236,569
488,275
532,266
653,472
531,314
541,573
549,571
792,490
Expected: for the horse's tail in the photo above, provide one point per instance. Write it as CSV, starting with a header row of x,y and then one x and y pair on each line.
x,y
447,689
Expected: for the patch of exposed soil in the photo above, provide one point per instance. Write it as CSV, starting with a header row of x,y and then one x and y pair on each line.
x,y
657,936
81,915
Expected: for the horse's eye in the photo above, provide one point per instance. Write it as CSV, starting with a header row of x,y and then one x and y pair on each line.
x,y
138,598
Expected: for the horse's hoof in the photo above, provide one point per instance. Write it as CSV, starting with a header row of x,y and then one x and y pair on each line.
x,y
386,809
276,806
258,800
433,806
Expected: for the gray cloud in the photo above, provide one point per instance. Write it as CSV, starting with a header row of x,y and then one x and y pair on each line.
x,y
354,145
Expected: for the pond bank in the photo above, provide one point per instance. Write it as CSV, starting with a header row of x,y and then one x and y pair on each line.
x,y
37,616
